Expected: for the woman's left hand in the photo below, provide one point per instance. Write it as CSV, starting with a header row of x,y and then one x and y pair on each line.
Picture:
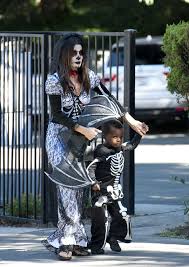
x,y
140,127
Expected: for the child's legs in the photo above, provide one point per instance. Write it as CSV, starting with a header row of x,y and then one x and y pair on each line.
x,y
118,226
98,230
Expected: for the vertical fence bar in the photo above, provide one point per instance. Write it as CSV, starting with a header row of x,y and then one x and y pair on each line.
x,y
88,51
117,66
18,133
26,128
110,62
30,113
1,124
102,57
44,71
23,118
11,103
34,112
39,88
3,143
1,136
7,112
16,119
95,55
129,102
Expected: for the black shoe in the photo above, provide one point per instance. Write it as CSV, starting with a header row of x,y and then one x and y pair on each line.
x,y
114,245
80,251
98,251
65,252
49,247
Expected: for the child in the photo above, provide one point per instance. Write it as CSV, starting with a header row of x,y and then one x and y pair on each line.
x,y
109,160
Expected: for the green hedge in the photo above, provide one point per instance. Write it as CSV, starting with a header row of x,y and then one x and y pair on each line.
x,y
176,48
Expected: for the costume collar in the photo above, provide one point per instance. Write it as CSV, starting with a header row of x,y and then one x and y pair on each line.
x,y
73,72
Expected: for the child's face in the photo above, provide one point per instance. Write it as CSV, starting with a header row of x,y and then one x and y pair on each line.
x,y
114,137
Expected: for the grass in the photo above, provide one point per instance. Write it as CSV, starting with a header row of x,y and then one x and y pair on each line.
x,y
181,231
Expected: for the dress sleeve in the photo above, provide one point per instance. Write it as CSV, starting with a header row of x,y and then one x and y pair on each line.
x,y
54,89
94,79
56,113
53,86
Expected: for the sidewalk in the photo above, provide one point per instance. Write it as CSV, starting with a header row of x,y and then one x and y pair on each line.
x,y
22,247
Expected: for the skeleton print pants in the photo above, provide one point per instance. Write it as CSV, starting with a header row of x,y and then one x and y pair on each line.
x,y
117,230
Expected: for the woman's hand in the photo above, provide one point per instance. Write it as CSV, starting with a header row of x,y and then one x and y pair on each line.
x,y
89,132
138,126
96,187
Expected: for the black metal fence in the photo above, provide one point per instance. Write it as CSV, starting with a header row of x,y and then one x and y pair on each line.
x,y
24,65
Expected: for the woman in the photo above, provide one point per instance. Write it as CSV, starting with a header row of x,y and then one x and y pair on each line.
x,y
68,87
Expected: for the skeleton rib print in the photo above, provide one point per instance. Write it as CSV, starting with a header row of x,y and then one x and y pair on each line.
x,y
116,163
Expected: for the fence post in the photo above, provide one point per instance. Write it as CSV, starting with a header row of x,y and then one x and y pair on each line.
x,y
129,103
44,164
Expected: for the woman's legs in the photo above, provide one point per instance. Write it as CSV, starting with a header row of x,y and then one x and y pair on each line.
x,y
70,229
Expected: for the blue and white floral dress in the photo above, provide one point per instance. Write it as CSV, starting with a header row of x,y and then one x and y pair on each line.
x,y
70,228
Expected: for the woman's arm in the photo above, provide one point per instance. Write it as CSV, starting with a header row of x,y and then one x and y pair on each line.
x,y
59,117
56,113
138,126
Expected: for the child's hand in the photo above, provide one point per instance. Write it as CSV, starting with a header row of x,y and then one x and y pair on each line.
x,y
96,187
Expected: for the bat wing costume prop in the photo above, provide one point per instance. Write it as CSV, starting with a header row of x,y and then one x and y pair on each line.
x,y
71,171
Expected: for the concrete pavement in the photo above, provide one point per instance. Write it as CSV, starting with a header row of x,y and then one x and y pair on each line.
x,y
21,246
158,206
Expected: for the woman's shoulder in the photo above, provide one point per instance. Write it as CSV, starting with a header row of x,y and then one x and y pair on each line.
x,y
94,79
52,85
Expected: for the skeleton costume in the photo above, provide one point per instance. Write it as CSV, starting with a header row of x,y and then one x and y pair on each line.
x,y
65,109
109,167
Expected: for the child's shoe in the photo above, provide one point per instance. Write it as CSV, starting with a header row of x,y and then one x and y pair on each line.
x,y
114,245
98,251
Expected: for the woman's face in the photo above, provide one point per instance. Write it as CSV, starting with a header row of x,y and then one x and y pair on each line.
x,y
77,57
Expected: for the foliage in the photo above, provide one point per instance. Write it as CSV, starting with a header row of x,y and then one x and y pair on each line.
x,y
177,232
98,15
183,181
27,206
176,48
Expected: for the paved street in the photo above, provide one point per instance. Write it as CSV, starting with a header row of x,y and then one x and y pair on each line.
x,y
158,160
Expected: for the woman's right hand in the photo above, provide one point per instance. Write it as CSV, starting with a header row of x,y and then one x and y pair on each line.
x,y
96,187
89,132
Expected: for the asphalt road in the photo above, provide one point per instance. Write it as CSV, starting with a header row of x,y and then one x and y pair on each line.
x,y
159,159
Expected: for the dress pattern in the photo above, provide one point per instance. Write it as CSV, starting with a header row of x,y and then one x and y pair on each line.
x,y
70,228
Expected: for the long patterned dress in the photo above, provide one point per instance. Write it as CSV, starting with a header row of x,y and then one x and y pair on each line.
x,y
70,229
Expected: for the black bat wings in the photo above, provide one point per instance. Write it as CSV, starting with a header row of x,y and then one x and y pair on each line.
x,y
71,171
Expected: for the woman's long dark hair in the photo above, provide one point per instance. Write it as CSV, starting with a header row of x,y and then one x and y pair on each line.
x,y
61,63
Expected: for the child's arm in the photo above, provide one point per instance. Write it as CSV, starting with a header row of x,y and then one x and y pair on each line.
x,y
131,145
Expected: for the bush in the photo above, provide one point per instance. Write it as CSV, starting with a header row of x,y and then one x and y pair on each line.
x,y
23,206
176,48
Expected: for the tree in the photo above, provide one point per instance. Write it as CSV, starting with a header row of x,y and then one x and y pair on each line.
x,y
176,48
